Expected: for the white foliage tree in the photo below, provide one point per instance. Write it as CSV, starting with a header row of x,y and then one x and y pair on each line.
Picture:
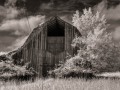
x,y
95,45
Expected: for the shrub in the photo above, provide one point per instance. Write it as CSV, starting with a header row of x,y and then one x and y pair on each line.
x,y
8,70
74,67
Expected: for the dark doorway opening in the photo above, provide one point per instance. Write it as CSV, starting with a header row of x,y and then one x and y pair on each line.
x,y
56,29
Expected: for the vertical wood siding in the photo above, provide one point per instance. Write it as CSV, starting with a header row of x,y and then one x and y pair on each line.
x,y
36,49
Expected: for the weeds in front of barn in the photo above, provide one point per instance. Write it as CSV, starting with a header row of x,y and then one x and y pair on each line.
x,y
63,84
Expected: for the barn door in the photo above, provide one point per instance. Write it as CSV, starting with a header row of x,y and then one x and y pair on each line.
x,y
55,46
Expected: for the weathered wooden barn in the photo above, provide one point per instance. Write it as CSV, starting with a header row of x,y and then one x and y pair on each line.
x,y
47,45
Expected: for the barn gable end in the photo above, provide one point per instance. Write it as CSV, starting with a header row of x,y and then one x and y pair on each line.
x,y
47,45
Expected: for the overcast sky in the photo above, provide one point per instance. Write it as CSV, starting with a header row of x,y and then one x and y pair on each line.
x,y
14,27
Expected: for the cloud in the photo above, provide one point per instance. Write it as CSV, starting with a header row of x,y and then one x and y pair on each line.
x,y
46,6
9,10
17,43
3,53
6,41
113,13
116,34
10,2
113,16
13,12
14,26
18,30
22,26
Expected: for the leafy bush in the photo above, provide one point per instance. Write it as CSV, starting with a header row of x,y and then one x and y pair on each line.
x,y
8,70
74,67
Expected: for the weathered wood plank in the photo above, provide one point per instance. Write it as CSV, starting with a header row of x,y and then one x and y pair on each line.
x,y
44,52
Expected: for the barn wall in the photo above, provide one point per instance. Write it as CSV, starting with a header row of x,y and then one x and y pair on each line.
x,y
70,33
35,51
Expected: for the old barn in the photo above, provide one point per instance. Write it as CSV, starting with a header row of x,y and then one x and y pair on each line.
x,y
47,45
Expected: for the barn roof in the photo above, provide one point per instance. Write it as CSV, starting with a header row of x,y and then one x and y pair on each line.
x,y
49,23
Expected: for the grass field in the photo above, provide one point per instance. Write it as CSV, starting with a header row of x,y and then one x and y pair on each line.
x,y
64,84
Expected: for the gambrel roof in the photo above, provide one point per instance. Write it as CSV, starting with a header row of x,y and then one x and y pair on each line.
x,y
51,24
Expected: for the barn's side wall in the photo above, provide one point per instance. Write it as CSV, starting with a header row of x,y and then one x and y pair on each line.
x,y
34,49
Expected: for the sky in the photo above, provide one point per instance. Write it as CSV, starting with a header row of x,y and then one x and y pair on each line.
x,y
19,17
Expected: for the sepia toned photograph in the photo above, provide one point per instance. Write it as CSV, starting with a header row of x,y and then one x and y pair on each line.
x,y
59,44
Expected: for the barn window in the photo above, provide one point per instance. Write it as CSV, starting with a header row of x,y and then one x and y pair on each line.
x,y
56,28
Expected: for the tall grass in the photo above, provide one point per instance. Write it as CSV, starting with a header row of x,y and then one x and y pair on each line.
x,y
64,84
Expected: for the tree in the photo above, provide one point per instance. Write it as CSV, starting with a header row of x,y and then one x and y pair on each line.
x,y
96,44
